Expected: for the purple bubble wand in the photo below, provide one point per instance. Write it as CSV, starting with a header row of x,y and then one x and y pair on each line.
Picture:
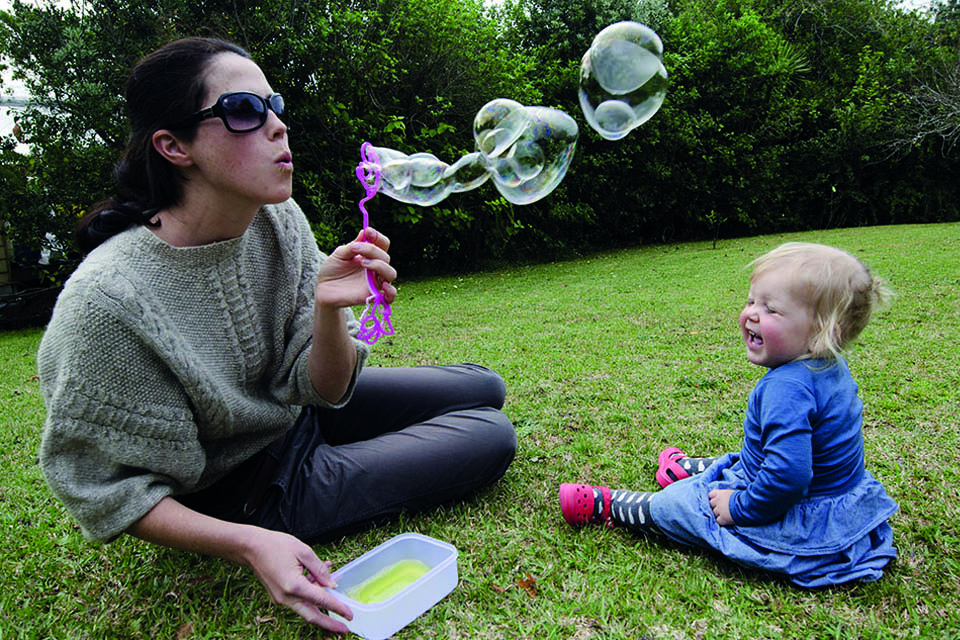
x,y
375,319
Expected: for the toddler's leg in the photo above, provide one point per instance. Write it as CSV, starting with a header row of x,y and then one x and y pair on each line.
x,y
632,510
694,466
674,464
583,504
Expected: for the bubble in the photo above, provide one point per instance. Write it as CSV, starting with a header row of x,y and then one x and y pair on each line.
x,y
469,172
622,79
526,151
538,159
498,124
415,179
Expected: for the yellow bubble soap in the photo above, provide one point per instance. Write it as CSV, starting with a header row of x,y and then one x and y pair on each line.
x,y
389,581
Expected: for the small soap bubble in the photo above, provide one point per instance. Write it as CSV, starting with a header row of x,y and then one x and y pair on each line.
x,y
622,79
426,169
528,158
416,179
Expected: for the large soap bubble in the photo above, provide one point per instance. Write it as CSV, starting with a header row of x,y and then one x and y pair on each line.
x,y
526,151
622,79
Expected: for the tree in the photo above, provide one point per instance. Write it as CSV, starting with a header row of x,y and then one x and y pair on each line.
x,y
863,56
780,114
408,74
936,100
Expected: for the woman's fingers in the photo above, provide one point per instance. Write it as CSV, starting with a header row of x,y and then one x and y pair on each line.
x,y
372,236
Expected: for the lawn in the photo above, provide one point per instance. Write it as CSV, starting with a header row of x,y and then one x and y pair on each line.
x,y
607,359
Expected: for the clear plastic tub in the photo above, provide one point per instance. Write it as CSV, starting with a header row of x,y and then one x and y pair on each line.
x,y
378,620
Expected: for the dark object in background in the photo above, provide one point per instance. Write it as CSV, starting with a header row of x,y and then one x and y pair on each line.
x,y
26,308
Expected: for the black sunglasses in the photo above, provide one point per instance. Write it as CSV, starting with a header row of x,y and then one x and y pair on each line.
x,y
240,111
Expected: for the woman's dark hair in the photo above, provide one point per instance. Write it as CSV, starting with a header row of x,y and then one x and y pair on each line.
x,y
164,87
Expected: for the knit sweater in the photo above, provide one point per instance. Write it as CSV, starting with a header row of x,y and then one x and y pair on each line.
x,y
164,368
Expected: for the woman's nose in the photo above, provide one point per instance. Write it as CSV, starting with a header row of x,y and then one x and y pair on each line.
x,y
277,126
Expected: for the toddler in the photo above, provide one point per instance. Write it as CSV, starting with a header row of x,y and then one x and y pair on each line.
x,y
796,499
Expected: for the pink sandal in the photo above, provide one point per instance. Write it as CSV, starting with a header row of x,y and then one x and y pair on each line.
x,y
668,462
576,504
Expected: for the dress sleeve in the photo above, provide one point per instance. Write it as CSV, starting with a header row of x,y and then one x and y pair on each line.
x,y
784,408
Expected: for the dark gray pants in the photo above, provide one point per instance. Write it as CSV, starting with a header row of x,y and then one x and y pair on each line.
x,y
410,438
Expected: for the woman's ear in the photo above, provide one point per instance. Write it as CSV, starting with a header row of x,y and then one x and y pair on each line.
x,y
172,148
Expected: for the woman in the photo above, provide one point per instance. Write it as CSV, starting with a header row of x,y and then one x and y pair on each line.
x,y
203,385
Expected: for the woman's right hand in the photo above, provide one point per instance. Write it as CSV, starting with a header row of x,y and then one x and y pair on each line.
x,y
342,280
295,578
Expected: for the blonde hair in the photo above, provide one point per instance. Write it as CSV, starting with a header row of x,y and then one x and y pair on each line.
x,y
840,290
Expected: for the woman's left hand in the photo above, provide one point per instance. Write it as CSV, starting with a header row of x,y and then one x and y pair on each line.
x,y
342,281
294,577
720,504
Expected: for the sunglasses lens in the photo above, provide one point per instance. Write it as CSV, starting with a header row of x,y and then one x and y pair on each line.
x,y
244,111
276,103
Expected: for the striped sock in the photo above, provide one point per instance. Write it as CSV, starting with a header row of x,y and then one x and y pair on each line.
x,y
694,466
632,510
597,505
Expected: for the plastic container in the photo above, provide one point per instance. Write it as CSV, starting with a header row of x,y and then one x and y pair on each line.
x,y
378,620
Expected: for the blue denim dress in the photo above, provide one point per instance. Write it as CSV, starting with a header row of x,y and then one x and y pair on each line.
x,y
820,541
805,506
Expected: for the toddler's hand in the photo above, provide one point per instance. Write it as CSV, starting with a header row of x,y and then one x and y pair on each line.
x,y
720,503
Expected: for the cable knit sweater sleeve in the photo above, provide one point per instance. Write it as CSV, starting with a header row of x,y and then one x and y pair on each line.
x,y
163,368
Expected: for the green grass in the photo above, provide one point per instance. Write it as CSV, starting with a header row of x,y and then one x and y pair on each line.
x,y
607,360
